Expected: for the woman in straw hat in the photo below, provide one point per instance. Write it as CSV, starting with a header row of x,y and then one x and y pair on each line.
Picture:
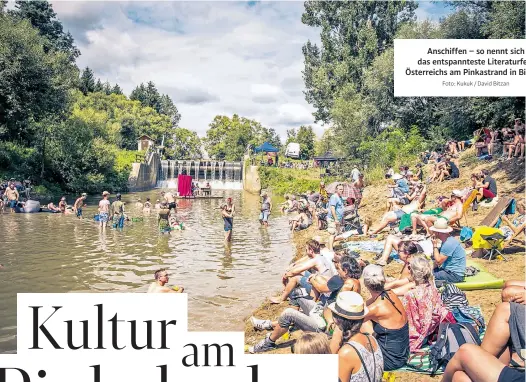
x,y
359,355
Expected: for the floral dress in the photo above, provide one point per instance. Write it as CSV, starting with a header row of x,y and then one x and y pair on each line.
x,y
425,311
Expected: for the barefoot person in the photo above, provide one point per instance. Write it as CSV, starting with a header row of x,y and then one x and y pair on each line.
x,y
79,203
170,199
163,219
227,212
159,285
12,196
266,209
104,210
117,211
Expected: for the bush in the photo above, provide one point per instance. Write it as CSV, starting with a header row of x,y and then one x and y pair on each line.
x,y
286,180
17,161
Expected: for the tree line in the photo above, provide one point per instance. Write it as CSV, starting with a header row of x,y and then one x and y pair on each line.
x,y
349,76
60,127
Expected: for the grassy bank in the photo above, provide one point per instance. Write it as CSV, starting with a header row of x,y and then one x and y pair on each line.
x,y
283,181
510,180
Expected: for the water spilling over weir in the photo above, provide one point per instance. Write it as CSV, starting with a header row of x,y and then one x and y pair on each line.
x,y
220,174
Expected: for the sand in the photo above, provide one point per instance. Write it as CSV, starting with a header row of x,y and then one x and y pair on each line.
x,y
510,181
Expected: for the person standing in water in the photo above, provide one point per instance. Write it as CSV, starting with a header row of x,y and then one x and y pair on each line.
x,y
266,209
62,205
227,212
104,210
170,199
147,206
12,196
79,203
159,285
117,211
163,218
139,206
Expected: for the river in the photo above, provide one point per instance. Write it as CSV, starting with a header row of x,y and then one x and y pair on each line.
x,y
45,252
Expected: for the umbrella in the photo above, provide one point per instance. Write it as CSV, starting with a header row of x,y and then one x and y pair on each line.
x,y
348,190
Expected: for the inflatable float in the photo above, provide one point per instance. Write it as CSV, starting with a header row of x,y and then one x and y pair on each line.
x,y
31,206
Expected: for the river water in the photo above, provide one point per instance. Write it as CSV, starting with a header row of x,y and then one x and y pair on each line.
x,y
55,253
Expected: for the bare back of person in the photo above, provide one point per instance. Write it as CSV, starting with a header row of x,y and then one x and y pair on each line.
x,y
156,288
385,312
169,197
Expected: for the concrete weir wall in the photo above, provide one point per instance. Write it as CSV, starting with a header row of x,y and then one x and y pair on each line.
x,y
251,180
143,176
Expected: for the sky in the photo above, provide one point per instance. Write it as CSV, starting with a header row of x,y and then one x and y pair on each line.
x,y
211,58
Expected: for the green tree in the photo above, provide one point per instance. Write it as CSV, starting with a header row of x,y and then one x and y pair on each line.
x,y
186,144
139,94
153,98
353,33
87,81
306,137
117,90
106,88
228,138
41,15
168,108
34,83
98,87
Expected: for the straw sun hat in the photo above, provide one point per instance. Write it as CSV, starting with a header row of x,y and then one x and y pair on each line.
x,y
349,305
441,225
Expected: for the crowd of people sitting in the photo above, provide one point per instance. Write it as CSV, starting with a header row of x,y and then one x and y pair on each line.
x,y
405,315
508,141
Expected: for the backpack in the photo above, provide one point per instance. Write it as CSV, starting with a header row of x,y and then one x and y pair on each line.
x,y
469,315
450,338
453,297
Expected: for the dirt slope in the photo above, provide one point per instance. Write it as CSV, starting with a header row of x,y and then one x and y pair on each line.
x,y
510,182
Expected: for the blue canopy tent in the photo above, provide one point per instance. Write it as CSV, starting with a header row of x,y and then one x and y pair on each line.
x,y
268,148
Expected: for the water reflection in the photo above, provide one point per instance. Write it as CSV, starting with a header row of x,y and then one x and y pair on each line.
x,y
54,253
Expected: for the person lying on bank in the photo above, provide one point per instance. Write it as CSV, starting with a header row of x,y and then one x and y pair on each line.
x,y
159,285
451,215
298,270
310,317
392,217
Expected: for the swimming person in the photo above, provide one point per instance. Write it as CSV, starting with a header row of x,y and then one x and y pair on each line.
x,y
157,205
266,209
104,210
117,211
79,203
159,285
147,206
62,205
227,212
139,206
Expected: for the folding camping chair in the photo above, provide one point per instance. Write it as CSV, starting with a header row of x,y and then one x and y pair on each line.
x,y
495,240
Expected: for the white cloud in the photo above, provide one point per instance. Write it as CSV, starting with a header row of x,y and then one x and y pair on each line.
x,y
210,57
